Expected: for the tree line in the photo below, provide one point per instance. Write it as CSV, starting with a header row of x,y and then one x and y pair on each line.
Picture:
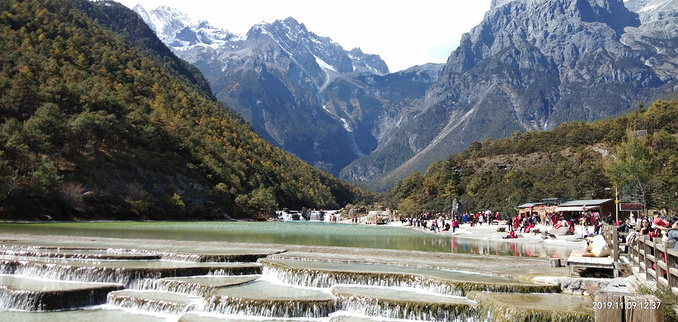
x,y
635,153
98,123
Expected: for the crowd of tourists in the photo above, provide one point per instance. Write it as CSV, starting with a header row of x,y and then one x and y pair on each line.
x,y
590,222
441,222
655,227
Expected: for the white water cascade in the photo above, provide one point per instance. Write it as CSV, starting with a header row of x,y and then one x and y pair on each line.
x,y
254,284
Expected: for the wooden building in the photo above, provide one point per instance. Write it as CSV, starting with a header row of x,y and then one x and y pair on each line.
x,y
574,208
540,209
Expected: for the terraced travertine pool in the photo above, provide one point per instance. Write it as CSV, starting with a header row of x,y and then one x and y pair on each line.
x,y
67,277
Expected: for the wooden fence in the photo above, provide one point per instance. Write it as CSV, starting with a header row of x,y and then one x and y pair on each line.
x,y
648,255
616,241
655,259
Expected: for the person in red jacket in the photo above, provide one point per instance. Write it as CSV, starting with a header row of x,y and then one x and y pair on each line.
x,y
511,235
530,225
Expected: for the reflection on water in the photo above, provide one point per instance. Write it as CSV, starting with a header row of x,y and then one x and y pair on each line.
x,y
295,233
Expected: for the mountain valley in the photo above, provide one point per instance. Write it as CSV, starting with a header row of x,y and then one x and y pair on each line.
x,y
529,66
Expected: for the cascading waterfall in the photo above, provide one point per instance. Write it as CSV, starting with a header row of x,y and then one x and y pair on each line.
x,y
459,288
533,307
197,285
172,286
126,254
320,279
267,298
78,253
210,258
247,270
373,307
165,303
181,283
324,279
270,308
90,273
95,271
18,300
42,295
404,304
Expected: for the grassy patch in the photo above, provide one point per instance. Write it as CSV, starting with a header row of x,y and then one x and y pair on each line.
x,y
668,298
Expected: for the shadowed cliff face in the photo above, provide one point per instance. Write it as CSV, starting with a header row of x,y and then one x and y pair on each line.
x,y
531,65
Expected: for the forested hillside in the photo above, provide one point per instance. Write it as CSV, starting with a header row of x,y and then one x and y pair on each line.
x,y
98,122
636,153
529,66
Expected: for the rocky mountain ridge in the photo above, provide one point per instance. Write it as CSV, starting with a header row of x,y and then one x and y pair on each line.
x,y
301,91
531,65
528,66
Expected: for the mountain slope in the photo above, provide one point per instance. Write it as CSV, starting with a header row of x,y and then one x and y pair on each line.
x,y
122,21
529,66
100,125
300,91
574,161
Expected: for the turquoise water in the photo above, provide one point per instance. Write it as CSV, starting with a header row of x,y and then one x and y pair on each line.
x,y
294,233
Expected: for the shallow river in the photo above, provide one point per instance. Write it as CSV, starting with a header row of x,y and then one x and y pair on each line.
x,y
296,233
88,279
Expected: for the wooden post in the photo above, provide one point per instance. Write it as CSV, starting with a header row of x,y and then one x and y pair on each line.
x,y
641,253
671,265
646,249
608,306
615,244
645,308
614,306
660,254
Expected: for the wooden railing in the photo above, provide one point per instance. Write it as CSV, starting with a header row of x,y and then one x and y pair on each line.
x,y
648,255
653,256
616,241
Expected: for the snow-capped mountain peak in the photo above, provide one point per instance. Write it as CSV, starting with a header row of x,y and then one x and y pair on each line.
x,y
180,32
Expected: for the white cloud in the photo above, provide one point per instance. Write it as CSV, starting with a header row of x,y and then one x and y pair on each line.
x,y
403,33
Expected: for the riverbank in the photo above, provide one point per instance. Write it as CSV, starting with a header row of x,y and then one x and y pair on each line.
x,y
489,232
529,258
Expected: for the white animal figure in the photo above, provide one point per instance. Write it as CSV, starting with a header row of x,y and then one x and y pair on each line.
x,y
596,247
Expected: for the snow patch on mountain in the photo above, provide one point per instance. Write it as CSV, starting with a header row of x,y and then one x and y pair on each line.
x,y
663,5
323,64
650,6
